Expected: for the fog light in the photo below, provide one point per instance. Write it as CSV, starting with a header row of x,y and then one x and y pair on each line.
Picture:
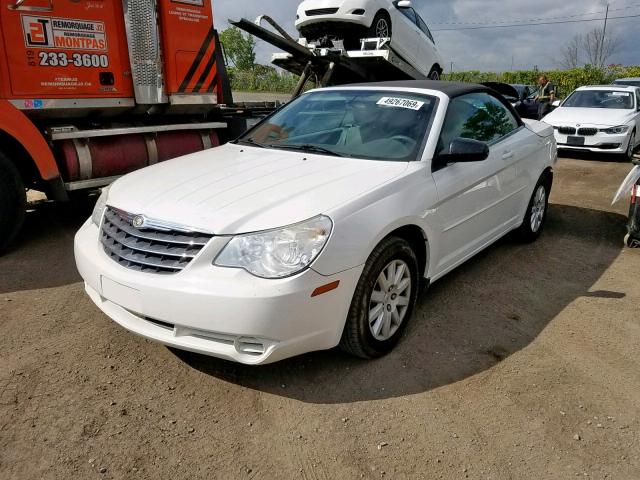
x,y
249,346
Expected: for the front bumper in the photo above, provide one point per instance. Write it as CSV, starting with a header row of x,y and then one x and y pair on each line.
x,y
600,142
343,17
222,312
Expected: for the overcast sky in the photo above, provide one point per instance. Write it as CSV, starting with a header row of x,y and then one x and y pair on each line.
x,y
488,49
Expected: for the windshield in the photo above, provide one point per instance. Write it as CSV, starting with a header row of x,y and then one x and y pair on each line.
x,y
374,125
600,99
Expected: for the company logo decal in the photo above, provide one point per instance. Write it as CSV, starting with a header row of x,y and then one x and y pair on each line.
x,y
63,33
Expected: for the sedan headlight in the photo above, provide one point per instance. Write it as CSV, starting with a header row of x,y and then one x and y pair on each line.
x,y
101,205
616,130
277,253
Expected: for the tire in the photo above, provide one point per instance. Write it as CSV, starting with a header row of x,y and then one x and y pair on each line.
x,y
13,202
381,24
434,74
631,242
392,307
631,148
536,215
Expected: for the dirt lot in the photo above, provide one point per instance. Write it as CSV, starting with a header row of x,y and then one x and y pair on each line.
x,y
522,364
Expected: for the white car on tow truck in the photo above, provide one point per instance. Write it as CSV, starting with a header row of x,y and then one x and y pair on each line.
x,y
602,119
320,225
353,20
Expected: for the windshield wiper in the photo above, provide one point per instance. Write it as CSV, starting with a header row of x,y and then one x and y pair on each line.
x,y
307,148
250,141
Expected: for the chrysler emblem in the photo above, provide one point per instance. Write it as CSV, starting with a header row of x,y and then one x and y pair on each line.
x,y
138,221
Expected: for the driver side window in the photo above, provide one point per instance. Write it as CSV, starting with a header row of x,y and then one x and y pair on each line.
x,y
476,116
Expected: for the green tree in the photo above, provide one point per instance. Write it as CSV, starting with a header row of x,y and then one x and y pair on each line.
x,y
240,49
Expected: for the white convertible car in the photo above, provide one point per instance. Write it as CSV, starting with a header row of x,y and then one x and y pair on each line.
x,y
319,226
599,119
352,20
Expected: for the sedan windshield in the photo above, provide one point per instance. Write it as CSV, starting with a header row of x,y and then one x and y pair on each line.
x,y
631,83
600,99
373,125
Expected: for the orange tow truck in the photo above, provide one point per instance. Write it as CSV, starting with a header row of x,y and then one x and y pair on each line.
x,y
94,89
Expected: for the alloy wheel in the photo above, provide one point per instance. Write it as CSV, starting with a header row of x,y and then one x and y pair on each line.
x,y
538,208
382,28
631,147
390,300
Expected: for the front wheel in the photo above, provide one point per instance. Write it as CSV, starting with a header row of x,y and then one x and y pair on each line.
x,y
536,215
381,26
13,202
631,147
383,300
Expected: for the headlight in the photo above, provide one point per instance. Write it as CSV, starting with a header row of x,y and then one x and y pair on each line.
x,y
101,205
616,130
277,253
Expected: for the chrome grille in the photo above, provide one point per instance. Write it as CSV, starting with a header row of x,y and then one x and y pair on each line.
x,y
567,130
321,11
587,132
150,248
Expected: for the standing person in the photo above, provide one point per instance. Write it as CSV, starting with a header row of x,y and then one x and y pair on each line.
x,y
546,96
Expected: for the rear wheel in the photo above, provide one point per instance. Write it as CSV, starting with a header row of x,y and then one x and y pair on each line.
x,y
434,74
13,202
381,26
383,301
536,215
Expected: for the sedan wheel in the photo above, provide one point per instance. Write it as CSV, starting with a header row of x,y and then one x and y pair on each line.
x,y
632,144
381,26
383,300
390,300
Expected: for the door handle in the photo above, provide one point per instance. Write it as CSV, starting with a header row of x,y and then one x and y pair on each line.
x,y
507,155
19,5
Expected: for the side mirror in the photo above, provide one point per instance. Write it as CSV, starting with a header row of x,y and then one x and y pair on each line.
x,y
403,4
464,150
557,103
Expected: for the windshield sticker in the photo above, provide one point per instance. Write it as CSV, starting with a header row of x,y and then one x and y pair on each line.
x,y
620,94
400,103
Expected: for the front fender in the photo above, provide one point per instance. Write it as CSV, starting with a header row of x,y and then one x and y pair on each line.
x,y
17,125
363,223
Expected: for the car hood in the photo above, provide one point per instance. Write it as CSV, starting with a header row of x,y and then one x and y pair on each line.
x,y
588,116
232,189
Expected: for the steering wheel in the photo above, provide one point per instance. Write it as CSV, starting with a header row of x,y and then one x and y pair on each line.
x,y
405,140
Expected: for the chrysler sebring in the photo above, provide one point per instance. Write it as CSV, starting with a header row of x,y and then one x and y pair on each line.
x,y
320,226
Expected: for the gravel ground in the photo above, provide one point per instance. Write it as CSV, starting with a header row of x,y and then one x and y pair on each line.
x,y
522,364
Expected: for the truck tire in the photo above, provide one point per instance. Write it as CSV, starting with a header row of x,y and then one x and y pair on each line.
x,y
13,202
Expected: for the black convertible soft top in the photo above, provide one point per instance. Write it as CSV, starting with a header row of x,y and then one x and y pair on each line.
x,y
450,89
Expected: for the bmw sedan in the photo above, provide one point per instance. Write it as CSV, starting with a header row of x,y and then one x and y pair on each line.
x,y
602,119
320,226
352,20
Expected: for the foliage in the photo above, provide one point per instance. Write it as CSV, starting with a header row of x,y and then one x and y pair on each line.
x,y
566,81
262,78
239,49
594,46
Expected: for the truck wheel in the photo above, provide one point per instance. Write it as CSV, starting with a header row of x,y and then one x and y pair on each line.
x,y
434,74
381,26
383,300
13,202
